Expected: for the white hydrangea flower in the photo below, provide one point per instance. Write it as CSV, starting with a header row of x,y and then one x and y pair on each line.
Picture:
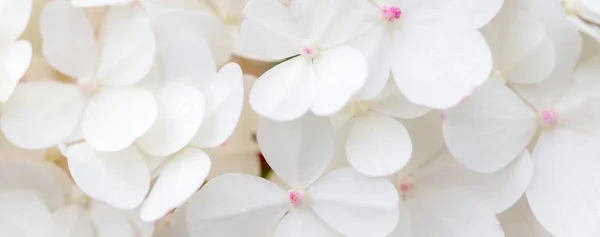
x,y
377,144
431,47
198,108
102,104
498,125
487,123
442,198
39,200
323,73
15,55
342,203
585,14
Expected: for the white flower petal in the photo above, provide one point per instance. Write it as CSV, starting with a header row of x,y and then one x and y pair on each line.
x,y
522,50
120,179
116,117
444,212
340,73
181,176
24,213
376,45
567,43
127,52
271,30
378,145
224,102
185,53
498,190
355,205
285,92
563,193
42,114
235,205
16,14
110,222
31,176
579,109
181,110
15,59
301,222
298,151
73,221
69,43
462,59
490,128
457,13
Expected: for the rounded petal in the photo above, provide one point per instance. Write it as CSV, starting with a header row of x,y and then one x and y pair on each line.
x,y
42,114
247,203
376,45
298,151
563,191
522,50
340,73
489,129
185,53
224,102
378,145
127,51
355,205
17,12
285,92
462,59
120,179
15,59
73,221
438,212
116,117
274,35
209,26
180,177
24,213
300,222
181,110
69,43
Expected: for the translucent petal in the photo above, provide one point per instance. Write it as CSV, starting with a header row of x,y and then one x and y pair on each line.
x,y
355,205
298,151
120,179
248,203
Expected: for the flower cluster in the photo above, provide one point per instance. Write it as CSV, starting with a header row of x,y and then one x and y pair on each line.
x,y
300,118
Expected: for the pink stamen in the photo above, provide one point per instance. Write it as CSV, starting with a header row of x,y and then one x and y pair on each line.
x,y
405,184
391,13
443,116
295,197
549,117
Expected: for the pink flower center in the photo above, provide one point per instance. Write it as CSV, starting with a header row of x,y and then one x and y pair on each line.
x,y
295,197
391,13
549,117
405,184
